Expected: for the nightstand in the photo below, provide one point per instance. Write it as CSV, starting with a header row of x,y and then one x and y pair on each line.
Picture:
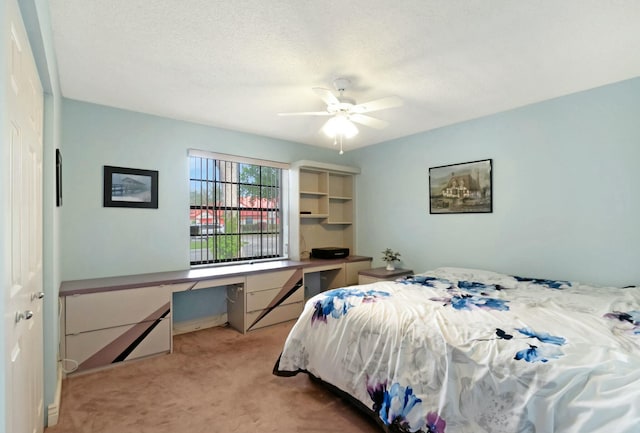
x,y
381,274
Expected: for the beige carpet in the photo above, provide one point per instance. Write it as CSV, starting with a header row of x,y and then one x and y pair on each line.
x,y
216,380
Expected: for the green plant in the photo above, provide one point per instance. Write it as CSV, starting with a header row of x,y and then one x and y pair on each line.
x,y
388,255
227,245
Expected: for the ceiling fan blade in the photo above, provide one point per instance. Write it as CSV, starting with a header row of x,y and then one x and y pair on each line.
x,y
307,113
326,95
369,121
377,104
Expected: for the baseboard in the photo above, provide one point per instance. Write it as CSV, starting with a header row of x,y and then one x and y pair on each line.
x,y
53,410
197,324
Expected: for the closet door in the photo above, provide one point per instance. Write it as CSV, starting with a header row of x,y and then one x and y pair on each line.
x,y
21,228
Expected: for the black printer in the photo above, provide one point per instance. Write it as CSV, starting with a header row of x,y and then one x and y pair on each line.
x,y
329,253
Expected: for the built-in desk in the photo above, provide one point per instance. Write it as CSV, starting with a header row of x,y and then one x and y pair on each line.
x,y
325,274
114,319
194,276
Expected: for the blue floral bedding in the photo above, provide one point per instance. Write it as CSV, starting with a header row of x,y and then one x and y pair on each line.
x,y
469,351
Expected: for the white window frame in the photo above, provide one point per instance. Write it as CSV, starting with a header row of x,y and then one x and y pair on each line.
x,y
284,205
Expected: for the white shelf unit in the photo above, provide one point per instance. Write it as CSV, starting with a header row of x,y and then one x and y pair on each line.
x,y
322,208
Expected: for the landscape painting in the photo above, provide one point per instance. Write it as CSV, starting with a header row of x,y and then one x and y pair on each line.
x,y
461,188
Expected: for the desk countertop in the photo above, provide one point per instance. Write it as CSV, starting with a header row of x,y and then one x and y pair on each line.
x,y
195,275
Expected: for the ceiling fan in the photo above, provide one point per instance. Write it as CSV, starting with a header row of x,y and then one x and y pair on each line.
x,y
344,111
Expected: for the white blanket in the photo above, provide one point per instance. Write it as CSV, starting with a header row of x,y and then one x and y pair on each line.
x,y
468,351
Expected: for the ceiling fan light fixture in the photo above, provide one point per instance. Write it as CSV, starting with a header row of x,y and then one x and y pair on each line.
x,y
344,112
340,126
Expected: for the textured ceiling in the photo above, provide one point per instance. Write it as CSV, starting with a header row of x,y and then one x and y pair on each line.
x,y
237,63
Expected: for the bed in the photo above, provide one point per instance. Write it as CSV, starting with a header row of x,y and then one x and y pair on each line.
x,y
469,351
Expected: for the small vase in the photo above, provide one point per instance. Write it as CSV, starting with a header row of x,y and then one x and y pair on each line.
x,y
390,266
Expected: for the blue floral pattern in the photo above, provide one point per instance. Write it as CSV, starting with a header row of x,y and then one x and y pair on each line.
x,y
336,303
465,345
632,317
475,296
466,302
478,288
533,353
552,284
423,280
435,424
543,337
399,408
471,302
503,335
543,353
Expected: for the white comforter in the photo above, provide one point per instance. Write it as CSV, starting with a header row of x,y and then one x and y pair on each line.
x,y
468,351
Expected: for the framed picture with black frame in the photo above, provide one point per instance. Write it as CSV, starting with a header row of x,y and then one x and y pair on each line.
x,y
58,178
130,187
461,188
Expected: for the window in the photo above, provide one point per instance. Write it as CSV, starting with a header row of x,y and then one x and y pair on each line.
x,y
236,208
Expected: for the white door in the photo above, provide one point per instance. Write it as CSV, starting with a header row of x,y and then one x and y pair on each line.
x,y
22,231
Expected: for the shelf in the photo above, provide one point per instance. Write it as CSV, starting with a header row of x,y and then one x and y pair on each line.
x,y
314,215
327,192
318,193
314,182
340,185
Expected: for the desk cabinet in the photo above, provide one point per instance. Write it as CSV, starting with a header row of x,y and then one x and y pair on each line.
x,y
109,327
267,298
327,276
352,270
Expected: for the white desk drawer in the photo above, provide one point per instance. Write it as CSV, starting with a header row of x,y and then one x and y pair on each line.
x,y
260,300
277,315
270,280
107,346
101,310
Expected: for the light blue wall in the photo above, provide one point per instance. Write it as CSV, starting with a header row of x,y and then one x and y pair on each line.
x,y
565,185
565,188
98,241
199,303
